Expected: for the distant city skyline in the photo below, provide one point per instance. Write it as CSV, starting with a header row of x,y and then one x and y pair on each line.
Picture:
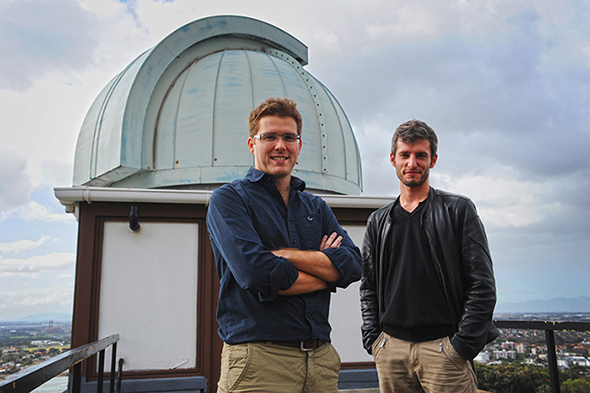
x,y
551,306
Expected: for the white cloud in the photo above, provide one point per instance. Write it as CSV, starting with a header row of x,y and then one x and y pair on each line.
x,y
404,24
54,298
15,182
502,201
104,8
34,266
42,126
379,176
62,298
40,38
35,211
56,173
22,245
38,212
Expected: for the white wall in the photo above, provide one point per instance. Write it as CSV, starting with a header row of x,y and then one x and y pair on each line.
x,y
345,314
148,293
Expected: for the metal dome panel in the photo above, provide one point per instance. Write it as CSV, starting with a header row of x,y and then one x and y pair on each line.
x,y
181,120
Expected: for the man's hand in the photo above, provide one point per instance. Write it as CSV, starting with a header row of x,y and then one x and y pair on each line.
x,y
333,241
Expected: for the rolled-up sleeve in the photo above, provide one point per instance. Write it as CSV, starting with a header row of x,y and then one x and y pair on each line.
x,y
239,250
347,261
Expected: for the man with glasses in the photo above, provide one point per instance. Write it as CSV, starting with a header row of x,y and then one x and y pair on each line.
x,y
279,252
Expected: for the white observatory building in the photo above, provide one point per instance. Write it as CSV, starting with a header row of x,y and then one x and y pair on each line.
x,y
158,139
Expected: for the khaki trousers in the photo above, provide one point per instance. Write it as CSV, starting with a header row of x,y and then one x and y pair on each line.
x,y
421,367
268,368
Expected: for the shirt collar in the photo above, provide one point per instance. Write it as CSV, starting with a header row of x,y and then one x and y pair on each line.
x,y
254,175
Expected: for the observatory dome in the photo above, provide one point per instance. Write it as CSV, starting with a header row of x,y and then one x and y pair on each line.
x,y
176,117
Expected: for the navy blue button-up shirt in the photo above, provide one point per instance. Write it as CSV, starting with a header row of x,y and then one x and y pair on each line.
x,y
248,219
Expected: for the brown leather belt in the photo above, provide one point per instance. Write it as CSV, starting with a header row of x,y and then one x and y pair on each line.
x,y
305,346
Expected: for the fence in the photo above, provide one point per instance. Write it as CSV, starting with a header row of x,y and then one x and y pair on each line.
x,y
549,328
37,375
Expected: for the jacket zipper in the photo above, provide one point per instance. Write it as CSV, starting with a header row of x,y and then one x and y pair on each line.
x,y
435,258
444,283
381,263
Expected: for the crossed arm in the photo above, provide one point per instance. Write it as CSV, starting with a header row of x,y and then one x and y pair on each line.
x,y
315,268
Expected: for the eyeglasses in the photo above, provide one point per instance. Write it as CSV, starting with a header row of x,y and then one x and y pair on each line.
x,y
271,138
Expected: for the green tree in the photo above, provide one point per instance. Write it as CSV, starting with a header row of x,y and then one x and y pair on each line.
x,y
575,386
513,378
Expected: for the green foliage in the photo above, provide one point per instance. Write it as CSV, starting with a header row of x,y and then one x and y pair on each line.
x,y
575,379
522,378
513,378
575,386
53,351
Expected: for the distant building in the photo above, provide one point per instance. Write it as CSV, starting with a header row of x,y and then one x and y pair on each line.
x,y
482,357
46,343
508,345
580,361
504,354
568,361
537,350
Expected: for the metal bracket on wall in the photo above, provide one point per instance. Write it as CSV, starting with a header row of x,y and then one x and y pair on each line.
x,y
134,219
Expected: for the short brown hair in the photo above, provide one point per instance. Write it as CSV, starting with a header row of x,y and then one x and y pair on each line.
x,y
281,107
412,131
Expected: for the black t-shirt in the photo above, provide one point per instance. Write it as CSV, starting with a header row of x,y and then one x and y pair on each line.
x,y
415,308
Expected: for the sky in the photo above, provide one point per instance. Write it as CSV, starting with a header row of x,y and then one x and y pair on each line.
x,y
504,83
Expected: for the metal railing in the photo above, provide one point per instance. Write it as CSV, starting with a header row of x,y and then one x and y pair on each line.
x,y
549,328
35,376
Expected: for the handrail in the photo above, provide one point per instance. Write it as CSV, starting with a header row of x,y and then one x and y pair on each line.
x,y
35,376
542,325
549,327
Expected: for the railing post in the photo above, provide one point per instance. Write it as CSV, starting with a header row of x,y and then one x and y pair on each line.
x,y
77,379
120,377
37,375
99,382
113,368
552,358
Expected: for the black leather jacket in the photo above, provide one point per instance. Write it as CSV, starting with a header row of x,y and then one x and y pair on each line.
x,y
461,258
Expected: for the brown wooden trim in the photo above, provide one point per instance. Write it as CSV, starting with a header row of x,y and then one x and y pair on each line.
x,y
212,357
349,216
357,365
87,284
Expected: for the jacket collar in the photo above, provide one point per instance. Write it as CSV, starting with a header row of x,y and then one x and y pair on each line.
x,y
427,209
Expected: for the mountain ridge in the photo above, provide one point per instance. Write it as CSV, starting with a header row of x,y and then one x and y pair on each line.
x,y
554,305
557,304
42,317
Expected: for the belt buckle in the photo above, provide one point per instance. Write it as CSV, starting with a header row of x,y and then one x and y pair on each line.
x,y
302,347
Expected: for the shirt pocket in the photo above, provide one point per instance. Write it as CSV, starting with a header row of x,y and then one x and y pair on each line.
x,y
310,226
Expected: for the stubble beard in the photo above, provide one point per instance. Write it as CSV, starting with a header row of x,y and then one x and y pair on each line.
x,y
414,183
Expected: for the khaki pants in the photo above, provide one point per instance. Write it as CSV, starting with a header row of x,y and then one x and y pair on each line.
x,y
268,368
430,367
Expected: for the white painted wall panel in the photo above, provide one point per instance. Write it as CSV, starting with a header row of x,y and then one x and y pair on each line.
x,y
345,313
148,293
